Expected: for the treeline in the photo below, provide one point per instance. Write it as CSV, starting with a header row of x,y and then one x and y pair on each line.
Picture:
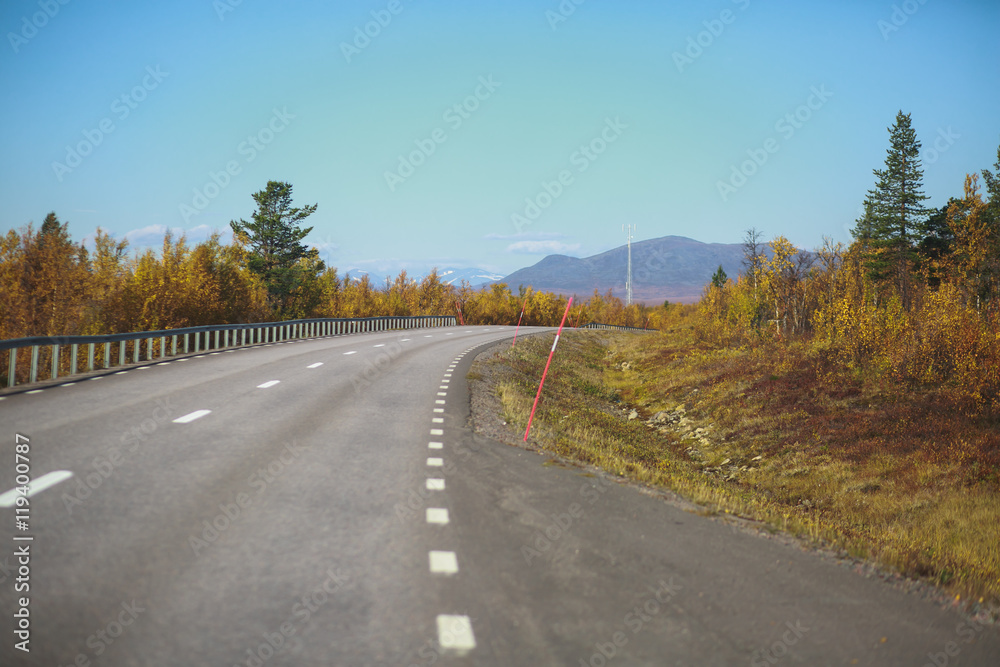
x,y
52,285
915,297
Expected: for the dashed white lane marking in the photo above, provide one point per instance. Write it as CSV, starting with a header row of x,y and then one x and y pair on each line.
x,y
351,352
437,401
455,633
96,378
435,484
35,391
9,498
447,375
269,383
428,336
191,416
182,360
435,462
435,445
143,368
212,354
437,420
167,363
442,393
438,515
316,365
443,562
437,431
68,384
121,372
448,334
438,409
379,345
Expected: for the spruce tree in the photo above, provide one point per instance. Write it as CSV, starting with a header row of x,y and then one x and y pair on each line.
x,y
273,242
897,216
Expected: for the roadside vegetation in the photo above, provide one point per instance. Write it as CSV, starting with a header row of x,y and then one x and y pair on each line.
x,y
850,395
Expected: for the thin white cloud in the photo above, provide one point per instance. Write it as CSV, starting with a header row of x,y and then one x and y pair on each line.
x,y
543,248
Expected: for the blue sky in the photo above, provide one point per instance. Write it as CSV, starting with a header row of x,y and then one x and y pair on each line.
x,y
422,141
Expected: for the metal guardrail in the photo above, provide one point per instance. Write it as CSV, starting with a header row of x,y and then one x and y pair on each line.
x,y
190,340
613,327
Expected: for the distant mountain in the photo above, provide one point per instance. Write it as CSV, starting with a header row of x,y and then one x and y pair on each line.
x,y
475,277
674,268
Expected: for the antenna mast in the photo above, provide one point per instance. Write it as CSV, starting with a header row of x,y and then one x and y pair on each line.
x,y
628,276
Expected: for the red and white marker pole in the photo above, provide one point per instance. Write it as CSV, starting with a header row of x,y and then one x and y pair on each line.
x,y
546,371
518,324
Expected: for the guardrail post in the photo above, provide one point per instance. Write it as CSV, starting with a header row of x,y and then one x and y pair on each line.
x,y
173,345
12,367
55,361
107,355
90,357
216,339
72,358
136,348
33,374
149,349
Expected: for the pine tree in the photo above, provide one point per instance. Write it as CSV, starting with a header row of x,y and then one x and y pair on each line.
x,y
719,278
273,243
897,213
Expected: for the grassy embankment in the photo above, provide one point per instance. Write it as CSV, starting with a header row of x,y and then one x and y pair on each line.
x,y
891,474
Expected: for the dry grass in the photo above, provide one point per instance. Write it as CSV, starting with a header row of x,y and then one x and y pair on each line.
x,y
894,474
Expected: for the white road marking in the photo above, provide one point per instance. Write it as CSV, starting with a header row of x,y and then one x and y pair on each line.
x,y
99,377
143,368
121,372
437,401
35,391
447,375
443,562
437,420
435,445
428,336
316,365
455,634
436,431
351,352
448,334
438,515
404,340
269,383
379,345
435,462
68,384
435,484
438,409
191,416
9,498
442,393
167,363
182,360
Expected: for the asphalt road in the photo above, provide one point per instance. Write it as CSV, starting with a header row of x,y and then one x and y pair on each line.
x,y
332,507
